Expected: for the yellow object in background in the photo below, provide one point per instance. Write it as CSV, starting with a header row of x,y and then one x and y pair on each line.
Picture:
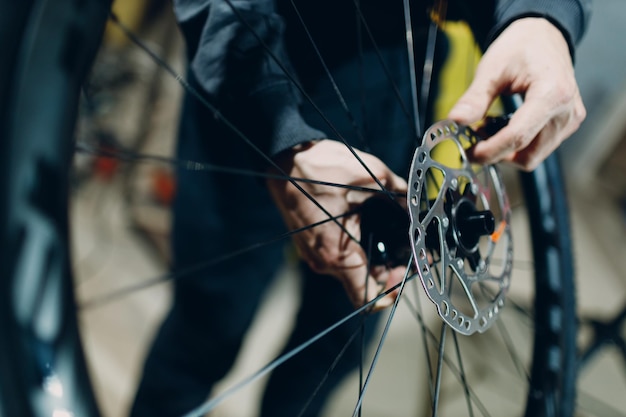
x,y
457,72
455,75
132,14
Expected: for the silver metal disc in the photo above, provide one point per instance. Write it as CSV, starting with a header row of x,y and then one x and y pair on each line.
x,y
465,273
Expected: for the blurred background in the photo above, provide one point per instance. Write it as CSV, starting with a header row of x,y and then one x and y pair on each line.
x,y
120,212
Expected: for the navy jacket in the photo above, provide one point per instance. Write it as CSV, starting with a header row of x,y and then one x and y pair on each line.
x,y
233,49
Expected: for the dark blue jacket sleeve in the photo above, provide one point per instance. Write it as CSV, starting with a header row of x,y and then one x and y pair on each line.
x,y
232,50
570,16
233,54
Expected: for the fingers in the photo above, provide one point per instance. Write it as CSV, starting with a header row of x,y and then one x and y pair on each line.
x,y
547,141
523,127
474,103
392,278
349,264
347,261
363,287
390,181
332,247
396,183
536,129
532,58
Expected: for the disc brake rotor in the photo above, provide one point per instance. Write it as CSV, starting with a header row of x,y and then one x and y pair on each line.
x,y
460,229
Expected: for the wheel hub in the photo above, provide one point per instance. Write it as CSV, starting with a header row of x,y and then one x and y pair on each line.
x,y
469,225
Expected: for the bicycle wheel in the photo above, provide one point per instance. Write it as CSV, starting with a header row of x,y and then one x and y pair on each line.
x,y
42,366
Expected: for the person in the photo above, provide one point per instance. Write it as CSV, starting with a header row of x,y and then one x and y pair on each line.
x,y
232,50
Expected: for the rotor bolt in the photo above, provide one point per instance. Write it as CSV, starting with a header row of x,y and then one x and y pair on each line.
x,y
454,183
474,189
445,222
460,263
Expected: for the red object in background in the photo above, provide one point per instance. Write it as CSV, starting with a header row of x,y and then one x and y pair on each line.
x,y
105,167
163,186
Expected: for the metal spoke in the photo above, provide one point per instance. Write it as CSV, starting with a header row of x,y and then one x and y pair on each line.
x,y
218,115
329,75
177,275
130,156
214,402
294,81
442,341
510,347
392,313
408,28
463,375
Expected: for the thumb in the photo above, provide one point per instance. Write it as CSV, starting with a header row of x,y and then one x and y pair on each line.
x,y
474,103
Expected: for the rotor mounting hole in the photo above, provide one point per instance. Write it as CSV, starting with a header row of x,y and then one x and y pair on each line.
x,y
445,308
417,236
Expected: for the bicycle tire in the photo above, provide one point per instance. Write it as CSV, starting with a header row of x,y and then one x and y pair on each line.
x,y
49,47
40,343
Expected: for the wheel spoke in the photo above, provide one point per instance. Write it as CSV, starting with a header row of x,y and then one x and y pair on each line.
x,y
362,344
214,402
510,347
429,61
218,115
386,69
457,373
463,375
381,342
419,315
181,274
130,156
340,97
319,111
332,367
408,28
440,358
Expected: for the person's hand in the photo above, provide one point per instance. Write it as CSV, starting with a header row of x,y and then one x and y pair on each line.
x,y
327,248
530,57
